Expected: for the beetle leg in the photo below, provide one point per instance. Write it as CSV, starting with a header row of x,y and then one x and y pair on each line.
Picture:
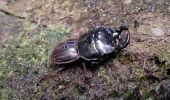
x,y
87,73
84,68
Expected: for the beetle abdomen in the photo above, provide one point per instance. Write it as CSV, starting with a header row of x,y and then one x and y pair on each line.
x,y
65,52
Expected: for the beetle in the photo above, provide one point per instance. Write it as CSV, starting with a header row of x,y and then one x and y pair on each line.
x,y
93,46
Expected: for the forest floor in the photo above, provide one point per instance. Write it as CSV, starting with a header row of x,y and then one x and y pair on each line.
x,y
29,30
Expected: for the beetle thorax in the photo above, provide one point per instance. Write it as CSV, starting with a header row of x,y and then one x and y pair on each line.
x,y
96,44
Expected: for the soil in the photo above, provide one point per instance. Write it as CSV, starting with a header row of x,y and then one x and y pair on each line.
x,y
138,72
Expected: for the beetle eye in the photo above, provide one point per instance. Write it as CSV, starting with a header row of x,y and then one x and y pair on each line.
x,y
115,34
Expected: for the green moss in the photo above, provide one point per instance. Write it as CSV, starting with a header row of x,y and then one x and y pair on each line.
x,y
127,95
165,55
3,96
104,74
150,92
26,55
114,94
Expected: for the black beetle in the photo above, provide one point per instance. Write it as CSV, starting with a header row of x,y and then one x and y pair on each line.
x,y
92,46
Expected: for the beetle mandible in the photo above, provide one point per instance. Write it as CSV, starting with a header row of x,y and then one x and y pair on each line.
x,y
93,46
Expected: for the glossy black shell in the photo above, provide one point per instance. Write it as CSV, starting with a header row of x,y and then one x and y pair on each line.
x,y
102,42
65,52
92,46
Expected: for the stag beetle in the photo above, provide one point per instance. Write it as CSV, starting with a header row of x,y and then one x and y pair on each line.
x,y
93,46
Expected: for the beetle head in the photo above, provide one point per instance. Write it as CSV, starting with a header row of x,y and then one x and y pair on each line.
x,y
120,36
123,37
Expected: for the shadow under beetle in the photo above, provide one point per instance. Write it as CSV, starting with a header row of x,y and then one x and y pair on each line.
x,y
94,46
